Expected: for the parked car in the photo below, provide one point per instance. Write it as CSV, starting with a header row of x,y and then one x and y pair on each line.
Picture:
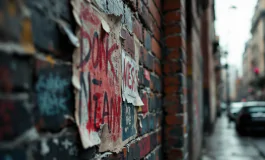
x,y
251,117
234,109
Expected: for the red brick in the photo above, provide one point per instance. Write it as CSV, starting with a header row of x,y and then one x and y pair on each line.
x,y
159,137
156,49
145,15
174,119
173,67
176,105
145,146
175,142
175,154
144,97
149,61
171,5
156,32
155,13
175,108
175,80
175,42
169,30
173,89
173,16
157,67
128,42
175,131
169,99
175,54
158,4
137,29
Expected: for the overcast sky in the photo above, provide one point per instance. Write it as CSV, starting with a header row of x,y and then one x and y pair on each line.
x,y
233,27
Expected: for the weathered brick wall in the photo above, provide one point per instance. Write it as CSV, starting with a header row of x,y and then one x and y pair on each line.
x,y
209,75
195,78
175,89
42,88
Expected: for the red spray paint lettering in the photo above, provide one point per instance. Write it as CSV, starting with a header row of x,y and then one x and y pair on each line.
x,y
98,88
129,75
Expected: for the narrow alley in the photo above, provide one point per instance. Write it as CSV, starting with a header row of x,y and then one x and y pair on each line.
x,y
225,144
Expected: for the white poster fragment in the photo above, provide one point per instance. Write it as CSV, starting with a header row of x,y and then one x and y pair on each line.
x,y
130,80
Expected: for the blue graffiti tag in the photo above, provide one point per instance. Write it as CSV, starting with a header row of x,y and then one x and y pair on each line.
x,y
8,157
52,94
128,121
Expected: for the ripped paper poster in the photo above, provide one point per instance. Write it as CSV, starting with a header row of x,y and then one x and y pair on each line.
x,y
97,77
130,80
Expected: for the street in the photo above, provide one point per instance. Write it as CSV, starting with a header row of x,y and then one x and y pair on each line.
x,y
226,144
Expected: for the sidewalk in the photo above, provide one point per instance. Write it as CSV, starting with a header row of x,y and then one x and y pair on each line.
x,y
225,144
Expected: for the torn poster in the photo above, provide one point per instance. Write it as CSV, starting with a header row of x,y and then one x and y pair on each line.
x,y
130,80
97,66
129,118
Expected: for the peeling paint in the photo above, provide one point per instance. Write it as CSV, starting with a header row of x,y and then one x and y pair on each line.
x,y
105,26
44,147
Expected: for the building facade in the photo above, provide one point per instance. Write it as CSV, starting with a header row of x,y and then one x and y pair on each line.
x,y
254,54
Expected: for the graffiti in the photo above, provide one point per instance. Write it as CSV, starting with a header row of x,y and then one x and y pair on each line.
x,y
52,95
128,120
98,69
73,151
130,79
68,145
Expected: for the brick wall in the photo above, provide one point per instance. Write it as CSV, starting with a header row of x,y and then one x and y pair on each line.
x,y
175,91
209,75
195,78
101,79
55,105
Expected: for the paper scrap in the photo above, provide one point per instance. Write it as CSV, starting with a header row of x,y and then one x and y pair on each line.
x,y
130,80
105,26
76,8
89,121
76,82
138,101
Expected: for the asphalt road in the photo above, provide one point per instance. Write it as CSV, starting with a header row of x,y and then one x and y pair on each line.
x,y
226,144
259,144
